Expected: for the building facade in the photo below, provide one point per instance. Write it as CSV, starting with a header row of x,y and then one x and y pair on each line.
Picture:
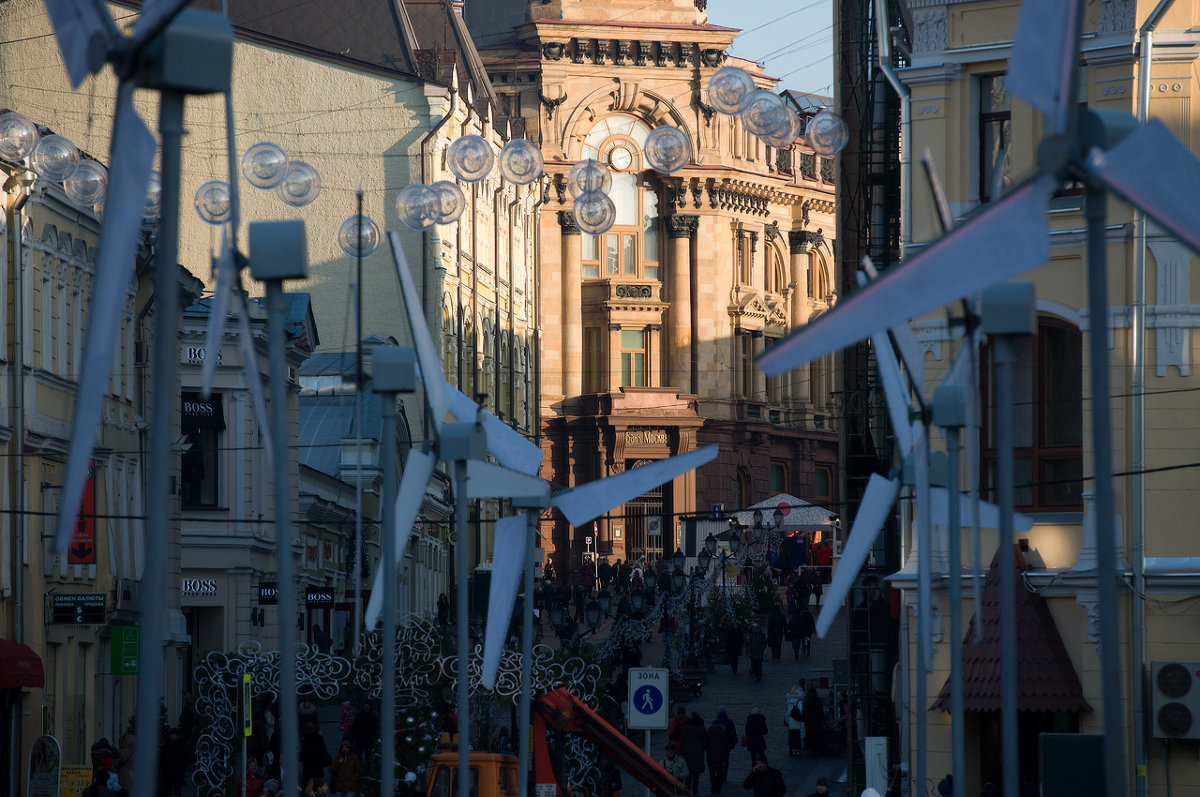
x,y
648,333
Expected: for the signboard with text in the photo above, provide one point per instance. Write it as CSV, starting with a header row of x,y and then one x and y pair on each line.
x,y
86,608
82,550
648,691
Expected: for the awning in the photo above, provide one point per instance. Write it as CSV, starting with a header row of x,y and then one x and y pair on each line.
x,y
796,514
1046,678
19,666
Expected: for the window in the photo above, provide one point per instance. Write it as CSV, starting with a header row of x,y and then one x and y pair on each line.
x,y
633,358
995,115
745,363
744,246
201,424
823,483
593,367
776,274
774,383
779,477
1047,419
818,283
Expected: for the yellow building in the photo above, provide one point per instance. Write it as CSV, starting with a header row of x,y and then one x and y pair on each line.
x,y
983,140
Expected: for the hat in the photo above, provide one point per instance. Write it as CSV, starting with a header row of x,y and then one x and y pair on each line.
x,y
670,746
345,704
271,784
822,782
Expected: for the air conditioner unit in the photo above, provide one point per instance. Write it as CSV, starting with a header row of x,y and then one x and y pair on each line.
x,y
1175,699
653,527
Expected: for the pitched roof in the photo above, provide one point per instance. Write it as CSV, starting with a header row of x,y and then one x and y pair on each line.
x,y
798,514
1046,678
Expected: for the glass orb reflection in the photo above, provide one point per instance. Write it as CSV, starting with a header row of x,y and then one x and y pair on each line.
x,y
826,133
358,236
667,149
588,176
766,115
594,212
730,89
470,158
417,206
87,183
451,201
18,135
520,161
212,202
54,157
153,195
265,165
301,186
786,135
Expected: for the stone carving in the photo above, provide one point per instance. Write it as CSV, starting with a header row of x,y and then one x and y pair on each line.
x,y
1116,16
1173,317
622,55
686,49
634,292
600,54
581,50
929,30
642,56
711,56
553,51
566,220
682,225
664,52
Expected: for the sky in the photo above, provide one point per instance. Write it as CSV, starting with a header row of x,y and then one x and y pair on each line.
x,y
793,39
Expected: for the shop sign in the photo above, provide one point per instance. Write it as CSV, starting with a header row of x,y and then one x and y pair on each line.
x,y
318,597
202,587
268,593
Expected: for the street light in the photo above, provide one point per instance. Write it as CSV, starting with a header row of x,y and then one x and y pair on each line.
x,y
556,616
710,544
637,601
592,613
703,558
678,579
678,559
649,579
604,599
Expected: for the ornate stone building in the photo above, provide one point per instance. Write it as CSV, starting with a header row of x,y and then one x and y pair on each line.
x,y
648,332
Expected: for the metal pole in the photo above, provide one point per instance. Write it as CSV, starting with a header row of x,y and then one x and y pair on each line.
x,y
387,771
358,415
162,424
924,597
1004,554
289,715
957,714
461,618
531,521
1095,209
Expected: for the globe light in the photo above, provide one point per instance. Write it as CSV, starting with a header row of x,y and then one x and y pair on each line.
x,y
301,186
265,165
358,235
451,201
87,183
520,161
826,133
730,89
787,135
470,158
54,157
594,212
213,203
766,114
588,176
667,149
18,136
417,206
153,195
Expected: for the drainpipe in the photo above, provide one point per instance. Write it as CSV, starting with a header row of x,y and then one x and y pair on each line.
x,y
18,359
1137,510
885,53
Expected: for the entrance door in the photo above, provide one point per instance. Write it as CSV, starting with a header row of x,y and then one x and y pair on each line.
x,y
640,516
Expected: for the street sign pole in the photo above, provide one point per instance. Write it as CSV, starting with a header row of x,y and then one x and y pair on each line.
x,y
647,701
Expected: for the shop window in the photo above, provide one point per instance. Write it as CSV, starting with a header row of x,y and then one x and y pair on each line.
x,y
202,425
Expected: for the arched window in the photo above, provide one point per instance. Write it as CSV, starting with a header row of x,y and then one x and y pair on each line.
x,y
818,278
776,273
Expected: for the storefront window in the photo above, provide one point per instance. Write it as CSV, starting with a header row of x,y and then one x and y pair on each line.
x,y
202,424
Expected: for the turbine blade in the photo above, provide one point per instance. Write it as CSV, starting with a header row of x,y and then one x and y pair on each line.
x,y
1010,237
82,37
902,334
989,513
218,313
1167,192
895,392
508,562
510,448
433,380
417,470
250,363
589,501
485,480
940,203
872,514
132,155
1039,68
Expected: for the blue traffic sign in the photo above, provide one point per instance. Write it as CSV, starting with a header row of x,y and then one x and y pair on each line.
x,y
647,698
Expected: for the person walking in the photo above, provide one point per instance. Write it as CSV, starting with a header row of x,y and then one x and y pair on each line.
x,y
443,610
775,625
821,789
734,640
731,737
176,757
692,741
716,751
345,770
793,718
674,764
314,755
814,722
756,647
307,713
364,730
603,573
756,735
252,784
765,780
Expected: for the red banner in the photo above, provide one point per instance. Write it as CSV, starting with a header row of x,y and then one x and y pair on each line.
x,y
83,541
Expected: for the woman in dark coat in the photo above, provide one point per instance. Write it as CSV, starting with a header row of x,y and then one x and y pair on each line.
x,y
775,624
756,735
716,751
693,738
314,755
814,722
734,640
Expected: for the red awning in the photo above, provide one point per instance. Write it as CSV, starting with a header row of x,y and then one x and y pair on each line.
x,y
19,666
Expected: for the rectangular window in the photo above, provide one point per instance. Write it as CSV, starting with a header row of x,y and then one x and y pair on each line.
x,y
633,358
612,254
995,114
779,477
593,353
202,423
629,253
590,244
649,234
823,483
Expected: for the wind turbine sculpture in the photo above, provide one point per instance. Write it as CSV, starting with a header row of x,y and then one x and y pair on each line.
x,y
1144,164
177,52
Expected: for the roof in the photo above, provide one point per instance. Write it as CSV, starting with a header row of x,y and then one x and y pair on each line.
x,y
442,42
326,410
808,103
1046,677
798,514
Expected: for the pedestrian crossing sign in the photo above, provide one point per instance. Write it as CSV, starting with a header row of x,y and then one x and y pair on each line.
x,y
647,701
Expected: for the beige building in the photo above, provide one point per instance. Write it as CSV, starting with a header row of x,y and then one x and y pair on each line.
x,y
982,137
648,332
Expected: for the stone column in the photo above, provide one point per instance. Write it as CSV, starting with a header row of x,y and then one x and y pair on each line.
x,y
681,227
798,256
572,311
760,378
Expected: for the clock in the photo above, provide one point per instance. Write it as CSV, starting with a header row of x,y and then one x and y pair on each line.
x,y
620,158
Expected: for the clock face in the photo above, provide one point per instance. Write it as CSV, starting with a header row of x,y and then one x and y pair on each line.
x,y
620,158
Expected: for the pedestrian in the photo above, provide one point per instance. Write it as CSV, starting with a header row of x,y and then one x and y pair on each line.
x,y
765,780
270,788
346,719
775,625
314,755
756,648
692,740
821,789
344,771
364,730
814,722
603,573
102,784
793,718
716,750
125,763
176,757
731,737
307,713
675,728
443,610
101,750
322,641
252,784
673,763
734,639
756,735
317,787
